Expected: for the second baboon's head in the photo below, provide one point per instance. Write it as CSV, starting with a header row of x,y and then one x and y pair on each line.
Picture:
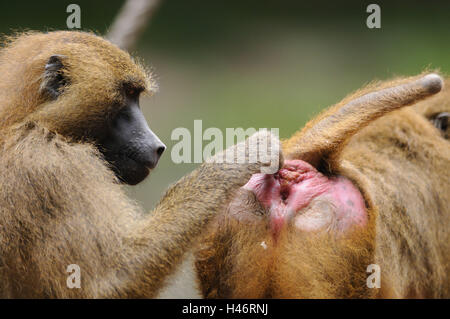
x,y
83,87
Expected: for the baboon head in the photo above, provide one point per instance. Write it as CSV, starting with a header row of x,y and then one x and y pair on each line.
x,y
80,86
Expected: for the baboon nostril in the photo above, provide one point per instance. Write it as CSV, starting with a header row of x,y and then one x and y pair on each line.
x,y
160,150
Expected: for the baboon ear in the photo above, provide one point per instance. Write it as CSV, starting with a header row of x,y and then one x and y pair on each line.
x,y
54,79
442,121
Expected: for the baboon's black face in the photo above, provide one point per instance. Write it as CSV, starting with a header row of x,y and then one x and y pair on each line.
x,y
130,146
126,141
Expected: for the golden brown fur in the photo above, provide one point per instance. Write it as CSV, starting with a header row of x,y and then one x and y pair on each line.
x,y
95,67
400,162
60,202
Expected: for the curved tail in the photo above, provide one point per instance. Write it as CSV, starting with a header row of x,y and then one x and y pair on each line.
x,y
326,134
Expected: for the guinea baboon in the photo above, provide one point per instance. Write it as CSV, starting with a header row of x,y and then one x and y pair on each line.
x,y
69,120
358,187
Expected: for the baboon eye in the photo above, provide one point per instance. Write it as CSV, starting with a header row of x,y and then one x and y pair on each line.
x,y
441,121
132,91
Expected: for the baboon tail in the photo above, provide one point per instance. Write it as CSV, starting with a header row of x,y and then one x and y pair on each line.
x,y
327,133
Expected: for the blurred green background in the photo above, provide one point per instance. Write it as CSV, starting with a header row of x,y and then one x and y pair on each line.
x,y
255,63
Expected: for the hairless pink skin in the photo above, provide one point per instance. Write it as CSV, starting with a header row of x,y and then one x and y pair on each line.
x,y
300,193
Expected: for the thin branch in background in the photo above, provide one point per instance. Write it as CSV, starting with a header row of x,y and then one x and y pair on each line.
x,y
131,22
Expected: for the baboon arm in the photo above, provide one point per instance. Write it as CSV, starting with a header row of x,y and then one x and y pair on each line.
x,y
329,131
62,206
182,214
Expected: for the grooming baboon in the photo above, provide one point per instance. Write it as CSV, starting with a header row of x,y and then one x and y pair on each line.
x,y
358,187
69,117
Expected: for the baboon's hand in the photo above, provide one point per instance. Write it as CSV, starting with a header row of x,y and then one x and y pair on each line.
x,y
260,153
264,151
